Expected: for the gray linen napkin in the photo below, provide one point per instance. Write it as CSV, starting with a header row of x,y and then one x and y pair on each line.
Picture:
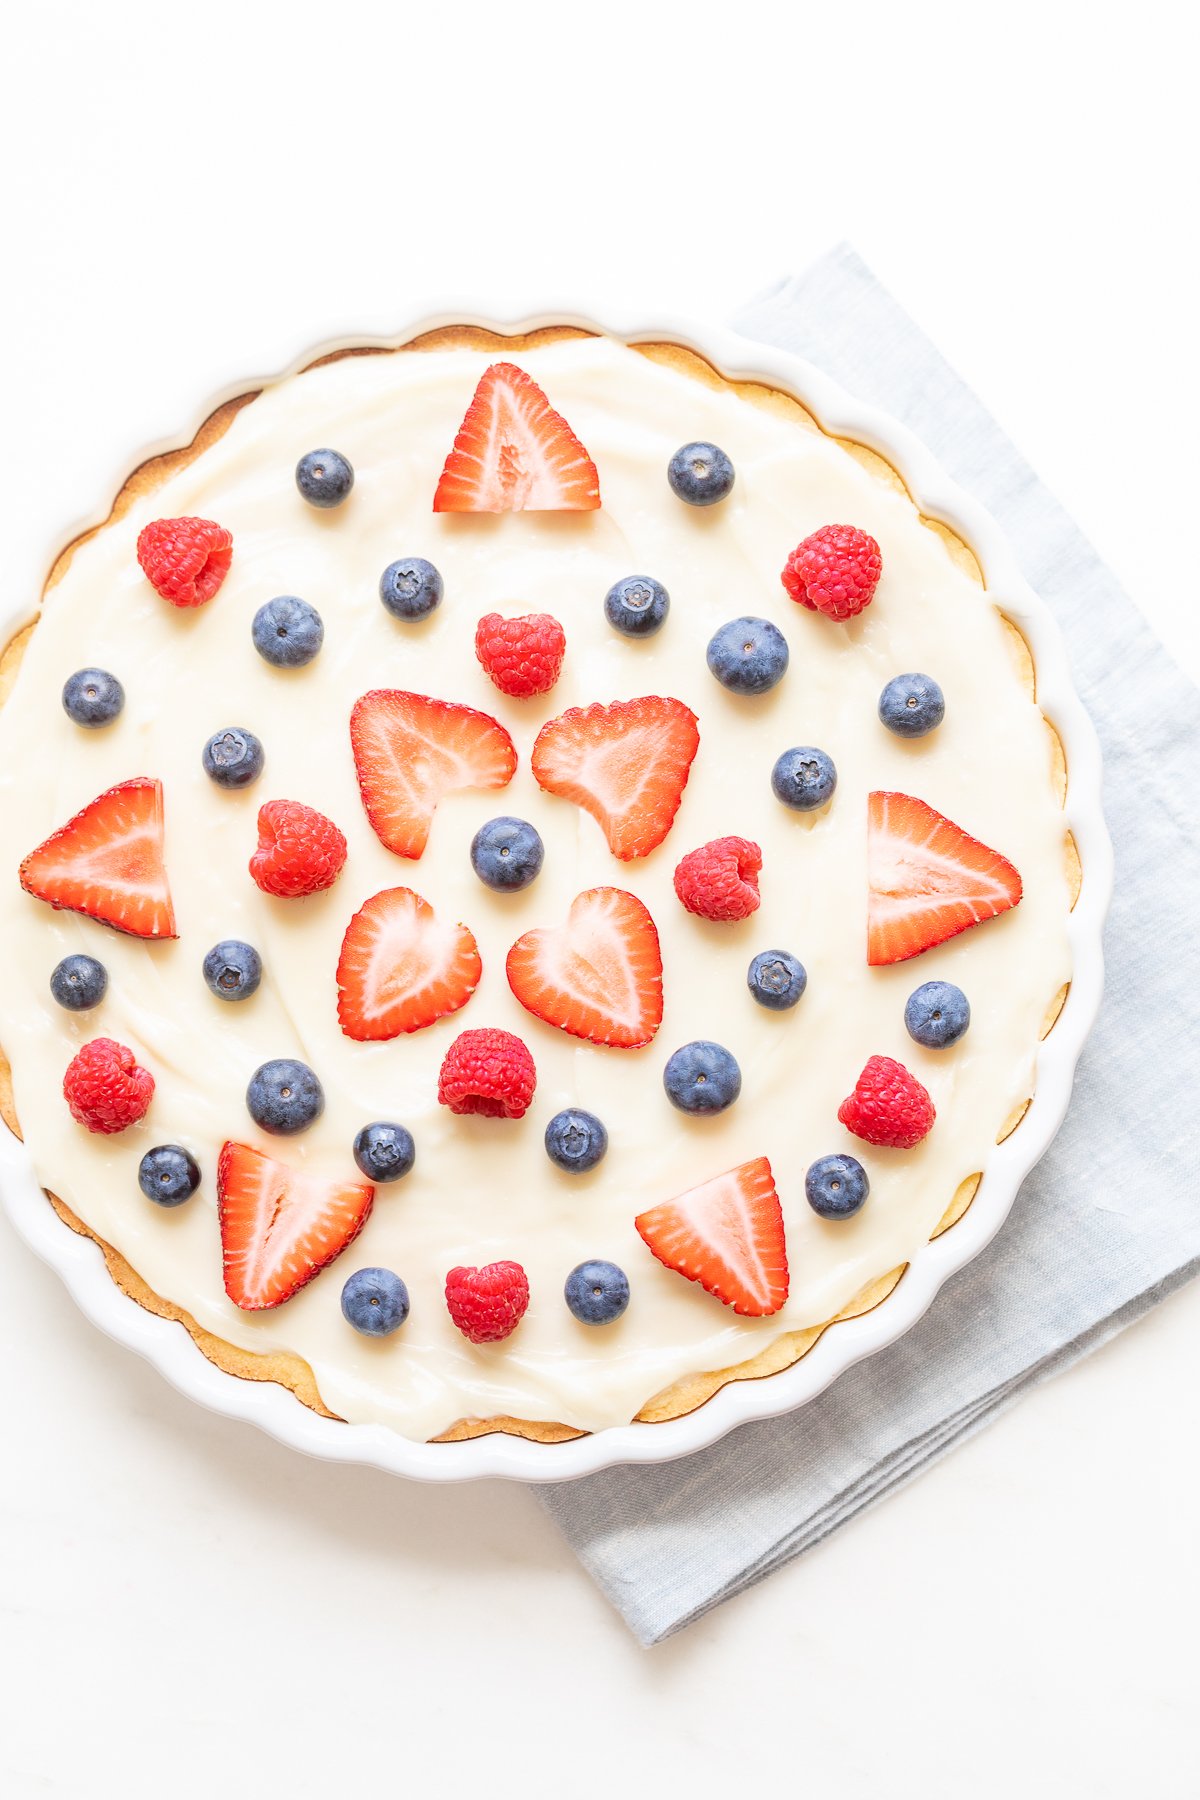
x,y
1109,1221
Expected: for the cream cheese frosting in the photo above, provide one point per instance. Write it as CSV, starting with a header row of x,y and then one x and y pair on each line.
x,y
484,1189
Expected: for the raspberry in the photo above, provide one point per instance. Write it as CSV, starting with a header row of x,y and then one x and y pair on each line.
x,y
106,1088
487,1304
835,571
522,656
888,1106
299,852
185,560
487,1072
720,880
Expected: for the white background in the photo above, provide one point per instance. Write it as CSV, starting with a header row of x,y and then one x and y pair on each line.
x,y
195,192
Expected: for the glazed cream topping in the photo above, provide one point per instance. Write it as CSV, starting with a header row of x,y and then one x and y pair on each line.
x,y
484,1189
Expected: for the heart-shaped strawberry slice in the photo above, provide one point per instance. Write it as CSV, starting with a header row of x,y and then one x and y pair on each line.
x,y
402,967
599,976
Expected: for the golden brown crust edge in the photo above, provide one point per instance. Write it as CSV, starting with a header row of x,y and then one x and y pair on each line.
x,y
682,1397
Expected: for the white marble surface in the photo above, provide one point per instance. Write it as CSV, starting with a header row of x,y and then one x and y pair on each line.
x,y
184,1606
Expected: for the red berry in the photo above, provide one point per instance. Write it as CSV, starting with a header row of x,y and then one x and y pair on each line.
x,y
106,1088
299,852
627,764
402,967
281,1226
728,1235
514,453
720,880
556,973
185,560
888,1106
488,1072
835,571
410,750
927,879
107,862
487,1304
521,656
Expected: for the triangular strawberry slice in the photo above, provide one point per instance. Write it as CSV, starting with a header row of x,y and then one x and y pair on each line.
x,y
627,764
927,879
514,453
599,976
410,749
279,1226
401,967
107,862
728,1235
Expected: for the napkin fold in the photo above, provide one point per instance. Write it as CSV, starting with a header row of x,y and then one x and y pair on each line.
x,y
1109,1221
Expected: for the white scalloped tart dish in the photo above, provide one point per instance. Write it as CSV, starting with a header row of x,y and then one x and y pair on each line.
x,y
1014,763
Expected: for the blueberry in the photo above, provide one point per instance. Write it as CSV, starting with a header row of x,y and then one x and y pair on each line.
x,y
836,1186
384,1152
597,1292
748,656
168,1175
233,758
324,477
637,605
702,1078
232,969
804,779
576,1140
506,854
287,632
912,705
79,983
776,979
92,697
937,1015
411,588
701,474
284,1097
375,1302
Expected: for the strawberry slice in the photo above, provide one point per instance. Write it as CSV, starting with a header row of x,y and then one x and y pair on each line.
x,y
409,750
279,1226
401,967
598,977
727,1234
627,764
107,862
514,453
927,879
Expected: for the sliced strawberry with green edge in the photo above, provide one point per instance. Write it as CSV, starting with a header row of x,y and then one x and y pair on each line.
x,y
401,967
281,1226
107,862
927,879
728,1235
626,763
514,453
410,750
599,976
